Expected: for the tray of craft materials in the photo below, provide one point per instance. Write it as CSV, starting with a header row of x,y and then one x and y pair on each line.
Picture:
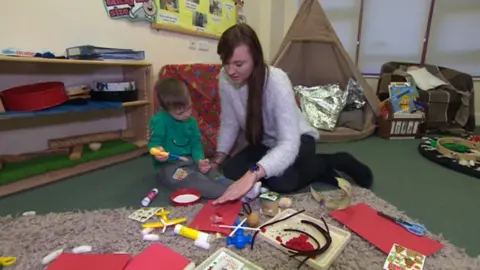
x,y
224,258
300,232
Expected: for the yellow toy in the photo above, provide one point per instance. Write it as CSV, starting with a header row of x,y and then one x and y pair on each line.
x,y
7,261
164,221
156,152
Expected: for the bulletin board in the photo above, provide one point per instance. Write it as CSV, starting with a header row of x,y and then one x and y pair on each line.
x,y
204,18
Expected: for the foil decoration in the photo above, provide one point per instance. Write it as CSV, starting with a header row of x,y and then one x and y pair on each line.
x,y
356,96
321,104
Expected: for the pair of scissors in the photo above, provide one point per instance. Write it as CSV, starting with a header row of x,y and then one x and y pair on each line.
x,y
416,229
7,261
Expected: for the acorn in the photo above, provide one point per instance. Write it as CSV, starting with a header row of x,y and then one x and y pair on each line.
x,y
253,220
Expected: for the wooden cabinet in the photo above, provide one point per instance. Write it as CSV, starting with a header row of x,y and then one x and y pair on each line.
x,y
25,136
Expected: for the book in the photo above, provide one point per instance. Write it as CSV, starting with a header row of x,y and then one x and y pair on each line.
x,y
404,99
121,56
90,49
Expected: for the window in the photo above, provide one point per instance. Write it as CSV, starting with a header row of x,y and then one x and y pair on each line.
x,y
344,16
392,30
454,40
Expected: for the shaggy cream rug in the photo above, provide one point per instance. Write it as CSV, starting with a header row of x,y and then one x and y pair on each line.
x,y
30,238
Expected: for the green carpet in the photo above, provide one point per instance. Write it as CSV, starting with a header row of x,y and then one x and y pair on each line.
x,y
12,172
444,200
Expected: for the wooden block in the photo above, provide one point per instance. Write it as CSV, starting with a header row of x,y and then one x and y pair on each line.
x,y
90,138
26,156
76,151
141,144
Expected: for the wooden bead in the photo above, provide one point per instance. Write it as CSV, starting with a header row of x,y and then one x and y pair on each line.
x,y
253,220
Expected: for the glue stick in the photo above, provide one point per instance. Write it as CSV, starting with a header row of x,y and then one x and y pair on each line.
x,y
150,196
202,243
191,233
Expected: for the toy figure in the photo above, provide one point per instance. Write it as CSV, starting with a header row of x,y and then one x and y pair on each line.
x,y
239,239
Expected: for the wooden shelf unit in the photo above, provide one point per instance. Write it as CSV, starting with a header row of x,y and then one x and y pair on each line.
x,y
24,70
4,58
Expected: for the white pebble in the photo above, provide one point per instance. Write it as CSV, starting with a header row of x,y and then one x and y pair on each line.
x,y
82,249
472,163
29,213
52,256
120,252
151,237
147,231
463,162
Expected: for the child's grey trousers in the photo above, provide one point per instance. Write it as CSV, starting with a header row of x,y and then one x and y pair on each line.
x,y
186,174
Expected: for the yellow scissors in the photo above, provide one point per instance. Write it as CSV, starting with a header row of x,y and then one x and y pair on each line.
x,y
7,261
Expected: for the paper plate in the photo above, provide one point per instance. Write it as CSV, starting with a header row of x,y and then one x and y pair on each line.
x,y
185,197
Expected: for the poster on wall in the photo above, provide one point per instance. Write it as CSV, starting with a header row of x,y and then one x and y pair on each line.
x,y
207,18
241,14
134,10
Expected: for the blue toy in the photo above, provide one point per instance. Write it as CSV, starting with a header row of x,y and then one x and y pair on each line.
x,y
239,239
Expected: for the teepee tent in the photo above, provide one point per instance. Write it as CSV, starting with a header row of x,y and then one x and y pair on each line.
x,y
312,54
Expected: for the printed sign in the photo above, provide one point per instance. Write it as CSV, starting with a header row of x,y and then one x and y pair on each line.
x,y
134,10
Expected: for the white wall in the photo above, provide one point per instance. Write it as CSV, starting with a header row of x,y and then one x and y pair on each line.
x,y
58,24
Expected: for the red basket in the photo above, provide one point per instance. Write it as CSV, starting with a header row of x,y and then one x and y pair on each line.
x,y
34,97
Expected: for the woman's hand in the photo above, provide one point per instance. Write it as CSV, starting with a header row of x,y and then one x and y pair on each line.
x,y
238,189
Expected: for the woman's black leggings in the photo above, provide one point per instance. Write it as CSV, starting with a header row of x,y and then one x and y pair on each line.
x,y
308,167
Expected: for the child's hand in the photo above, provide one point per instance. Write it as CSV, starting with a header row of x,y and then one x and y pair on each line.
x,y
161,158
204,165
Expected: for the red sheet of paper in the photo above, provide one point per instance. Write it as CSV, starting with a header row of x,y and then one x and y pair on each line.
x,y
157,256
73,261
229,212
381,232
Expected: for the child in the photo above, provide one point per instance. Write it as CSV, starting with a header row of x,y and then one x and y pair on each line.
x,y
175,131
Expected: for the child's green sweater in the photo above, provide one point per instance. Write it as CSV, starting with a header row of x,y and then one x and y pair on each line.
x,y
177,137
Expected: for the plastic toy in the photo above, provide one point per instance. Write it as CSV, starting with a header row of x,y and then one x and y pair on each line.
x,y
7,261
239,240
156,152
164,221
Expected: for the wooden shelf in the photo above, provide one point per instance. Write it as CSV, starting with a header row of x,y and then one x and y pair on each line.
x,y
135,103
76,120
39,60
5,116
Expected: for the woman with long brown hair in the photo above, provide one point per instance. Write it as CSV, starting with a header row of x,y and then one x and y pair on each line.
x,y
258,100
